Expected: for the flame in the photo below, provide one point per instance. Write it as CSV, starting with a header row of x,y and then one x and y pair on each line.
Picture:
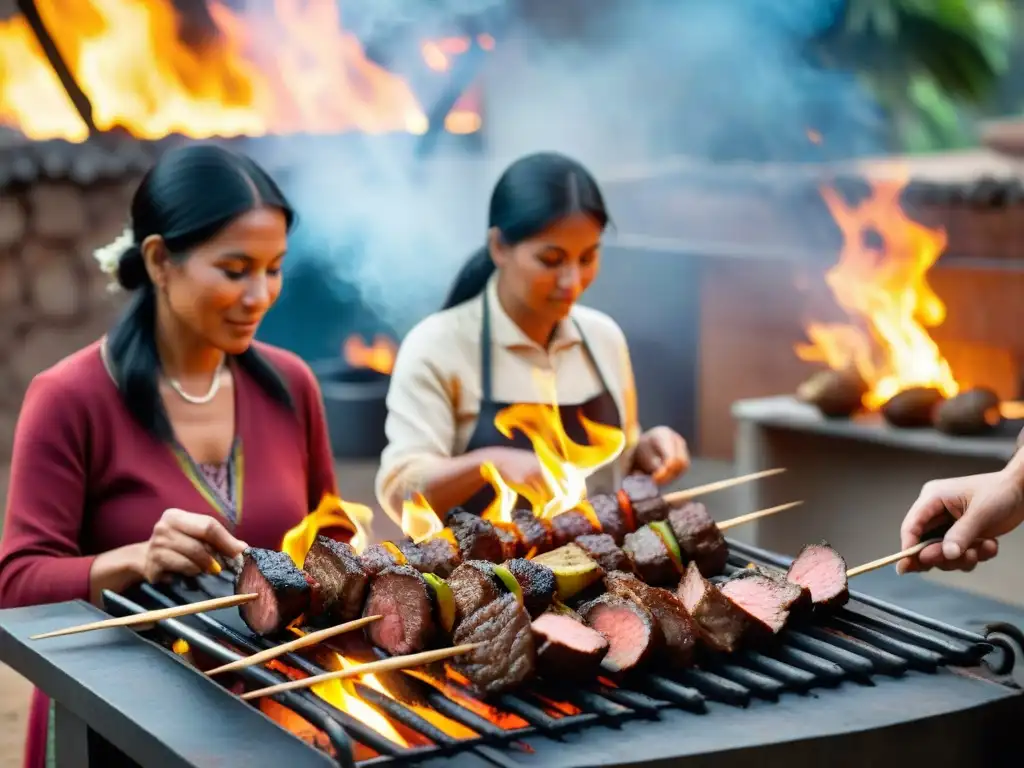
x,y
565,465
1013,409
290,68
380,357
332,512
505,498
884,289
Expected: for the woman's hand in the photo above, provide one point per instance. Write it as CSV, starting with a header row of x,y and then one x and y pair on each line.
x,y
985,506
662,454
518,468
184,543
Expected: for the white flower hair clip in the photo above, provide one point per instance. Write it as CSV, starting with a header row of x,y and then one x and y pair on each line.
x,y
109,256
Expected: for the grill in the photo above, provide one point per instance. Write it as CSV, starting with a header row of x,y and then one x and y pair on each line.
x,y
873,683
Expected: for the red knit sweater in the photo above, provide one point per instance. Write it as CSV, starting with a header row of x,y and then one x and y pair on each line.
x,y
86,478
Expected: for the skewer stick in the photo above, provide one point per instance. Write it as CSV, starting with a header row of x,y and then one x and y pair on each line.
x,y
725,525
890,559
384,665
301,642
151,616
721,485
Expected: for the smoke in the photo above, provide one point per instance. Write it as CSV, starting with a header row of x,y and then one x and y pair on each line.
x,y
612,83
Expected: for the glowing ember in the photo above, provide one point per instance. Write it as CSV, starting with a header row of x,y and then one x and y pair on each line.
x,y
883,287
380,357
331,513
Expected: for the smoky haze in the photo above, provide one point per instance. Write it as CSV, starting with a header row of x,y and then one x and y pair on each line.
x,y
612,83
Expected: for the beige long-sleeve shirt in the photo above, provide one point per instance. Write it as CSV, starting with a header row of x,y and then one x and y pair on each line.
x,y
435,391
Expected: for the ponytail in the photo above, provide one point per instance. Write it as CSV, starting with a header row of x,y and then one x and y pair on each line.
x,y
472,278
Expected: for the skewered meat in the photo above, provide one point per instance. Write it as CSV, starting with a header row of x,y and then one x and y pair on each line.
x,y
609,514
566,527
437,556
405,601
342,581
473,586
534,533
722,623
603,550
285,592
649,556
699,538
801,595
537,583
567,648
764,599
644,499
677,628
507,656
628,627
822,570
509,542
377,558
477,539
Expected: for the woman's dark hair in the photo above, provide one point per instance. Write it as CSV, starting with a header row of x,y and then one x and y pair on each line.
x,y
190,195
533,193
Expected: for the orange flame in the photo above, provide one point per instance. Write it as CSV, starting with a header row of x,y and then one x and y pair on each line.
x,y
565,465
885,289
500,510
421,523
331,513
380,357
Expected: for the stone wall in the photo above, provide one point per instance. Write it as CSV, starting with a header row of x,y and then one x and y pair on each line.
x,y
53,298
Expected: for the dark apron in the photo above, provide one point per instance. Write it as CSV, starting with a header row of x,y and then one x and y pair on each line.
x,y
600,409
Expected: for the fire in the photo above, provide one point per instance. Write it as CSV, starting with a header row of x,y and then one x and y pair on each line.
x,y
380,357
292,68
331,513
419,520
565,465
885,291
500,510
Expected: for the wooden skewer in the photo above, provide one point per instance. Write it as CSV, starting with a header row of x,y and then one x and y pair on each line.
x,y
889,559
721,485
311,639
725,525
384,665
151,616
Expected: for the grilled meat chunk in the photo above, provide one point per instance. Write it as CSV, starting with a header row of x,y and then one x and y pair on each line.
x,y
377,559
602,549
568,526
822,570
567,648
628,627
477,539
437,556
644,498
285,592
507,656
677,628
537,583
699,538
534,533
650,557
510,544
801,595
721,622
608,512
766,600
473,586
405,601
343,581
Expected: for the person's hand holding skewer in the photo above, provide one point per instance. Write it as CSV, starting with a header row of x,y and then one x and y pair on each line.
x,y
662,454
185,543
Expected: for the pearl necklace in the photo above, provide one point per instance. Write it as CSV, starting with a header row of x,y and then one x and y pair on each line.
x,y
200,399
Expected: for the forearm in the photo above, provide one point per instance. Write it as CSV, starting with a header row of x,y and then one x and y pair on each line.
x,y
454,481
116,570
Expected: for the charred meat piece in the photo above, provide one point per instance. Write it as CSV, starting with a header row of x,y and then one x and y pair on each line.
x,y
722,623
822,570
342,580
650,557
534,533
608,512
602,549
378,558
405,601
477,539
628,627
678,631
801,595
285,592
699,538
507,656
473,586
510,544
437,556
644,499
537,583
567,648
568,526
764,599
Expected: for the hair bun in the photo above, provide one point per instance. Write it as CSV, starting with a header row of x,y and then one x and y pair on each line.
x,y
131,271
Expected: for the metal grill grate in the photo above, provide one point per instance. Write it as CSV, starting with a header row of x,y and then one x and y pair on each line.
x,y
865,639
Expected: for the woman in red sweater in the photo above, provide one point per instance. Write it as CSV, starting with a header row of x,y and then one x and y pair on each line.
x,y
177,436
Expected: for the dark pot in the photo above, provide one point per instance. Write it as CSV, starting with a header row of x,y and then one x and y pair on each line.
x,y
355,405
